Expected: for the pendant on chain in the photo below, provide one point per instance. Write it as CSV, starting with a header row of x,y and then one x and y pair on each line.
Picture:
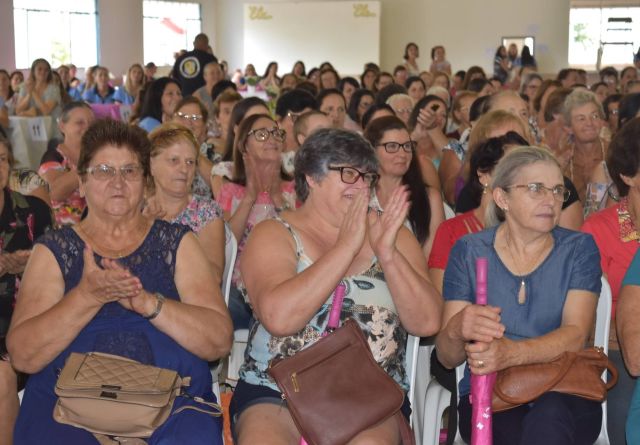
x,y
522,292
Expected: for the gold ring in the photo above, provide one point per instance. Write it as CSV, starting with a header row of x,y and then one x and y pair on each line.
x,y
480,364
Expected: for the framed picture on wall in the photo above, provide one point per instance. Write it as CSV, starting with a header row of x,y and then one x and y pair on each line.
x,y
520,41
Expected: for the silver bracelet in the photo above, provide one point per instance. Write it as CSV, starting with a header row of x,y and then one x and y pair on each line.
x,y
159,302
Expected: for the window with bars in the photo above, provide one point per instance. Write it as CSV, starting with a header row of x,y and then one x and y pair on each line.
x,y
609,35
61,31
168,28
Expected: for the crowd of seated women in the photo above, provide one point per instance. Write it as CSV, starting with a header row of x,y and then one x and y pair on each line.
x,y
392,182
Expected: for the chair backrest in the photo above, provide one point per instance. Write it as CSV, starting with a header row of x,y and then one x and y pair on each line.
x,y
230,252
603,317
411,365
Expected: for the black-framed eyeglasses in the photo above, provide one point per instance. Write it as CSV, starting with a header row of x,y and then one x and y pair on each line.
x,y
104,172
350,175
537,190
393,147
262,134
189,117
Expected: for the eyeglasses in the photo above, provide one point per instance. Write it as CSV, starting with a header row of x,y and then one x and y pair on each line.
x,y
537,190
393,147
190,117
104,172
403,110
350,175
262,134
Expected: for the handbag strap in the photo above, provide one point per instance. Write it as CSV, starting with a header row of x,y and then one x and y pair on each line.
x,y
336,308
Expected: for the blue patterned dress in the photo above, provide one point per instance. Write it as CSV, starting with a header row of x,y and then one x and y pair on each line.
x,y
116,330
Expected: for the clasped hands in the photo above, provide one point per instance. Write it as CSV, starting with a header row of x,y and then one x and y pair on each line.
x,y
113,282
381,227
486,347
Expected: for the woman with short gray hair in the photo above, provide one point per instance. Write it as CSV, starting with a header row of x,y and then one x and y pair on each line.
x,y
543,286
331,238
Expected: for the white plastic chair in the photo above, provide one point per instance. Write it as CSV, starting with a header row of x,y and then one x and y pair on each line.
x,y
438,398
601,339
230,253
448,211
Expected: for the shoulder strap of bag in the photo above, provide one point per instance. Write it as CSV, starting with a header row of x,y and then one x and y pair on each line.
x,y
336,308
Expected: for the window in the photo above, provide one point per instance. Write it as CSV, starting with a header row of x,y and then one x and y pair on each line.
x,y
61,31
168,28
617,28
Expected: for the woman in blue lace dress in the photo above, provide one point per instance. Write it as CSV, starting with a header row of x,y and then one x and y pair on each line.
x,y
122,284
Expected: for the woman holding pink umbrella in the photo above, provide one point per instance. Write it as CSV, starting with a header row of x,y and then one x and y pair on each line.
x,y
542,289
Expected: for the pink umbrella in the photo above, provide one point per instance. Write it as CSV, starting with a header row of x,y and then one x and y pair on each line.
x,y
481,385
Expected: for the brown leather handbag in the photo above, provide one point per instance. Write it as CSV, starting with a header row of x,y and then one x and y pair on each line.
x,y
335,389
116,396
575,373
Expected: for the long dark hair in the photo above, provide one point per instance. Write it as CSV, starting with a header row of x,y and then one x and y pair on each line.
x,y
420,211
152,104
484,159
240,147
354,104
237,114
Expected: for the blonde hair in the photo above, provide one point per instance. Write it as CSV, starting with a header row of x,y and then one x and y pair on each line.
x,y
128,85
489,122
169,134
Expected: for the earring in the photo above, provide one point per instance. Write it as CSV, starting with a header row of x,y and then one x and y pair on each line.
x,y
505,209
485,187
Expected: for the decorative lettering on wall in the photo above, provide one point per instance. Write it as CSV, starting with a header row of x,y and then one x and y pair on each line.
x,y
362,10
259,13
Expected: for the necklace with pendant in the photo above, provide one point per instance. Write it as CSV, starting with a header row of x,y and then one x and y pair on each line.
x,y
522,290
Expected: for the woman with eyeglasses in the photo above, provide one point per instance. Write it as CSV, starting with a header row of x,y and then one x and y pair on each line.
x,y
259,189
122,284
543,287
192,113
399,167
333,237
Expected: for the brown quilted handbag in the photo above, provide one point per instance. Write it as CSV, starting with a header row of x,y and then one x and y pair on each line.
x,y
112,395
575,373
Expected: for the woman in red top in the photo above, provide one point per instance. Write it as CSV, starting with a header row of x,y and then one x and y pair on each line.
x,y
482,162
616,231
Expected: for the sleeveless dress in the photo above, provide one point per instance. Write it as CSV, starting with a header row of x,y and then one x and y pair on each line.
x,y
367,300
116,330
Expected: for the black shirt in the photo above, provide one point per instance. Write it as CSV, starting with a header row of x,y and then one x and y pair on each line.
x,y
23,220
188,70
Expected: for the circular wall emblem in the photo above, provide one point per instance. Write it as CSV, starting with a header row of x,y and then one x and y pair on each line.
x,y
190,67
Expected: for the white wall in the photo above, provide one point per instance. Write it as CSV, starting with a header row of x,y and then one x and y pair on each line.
x,y
470,30
7,44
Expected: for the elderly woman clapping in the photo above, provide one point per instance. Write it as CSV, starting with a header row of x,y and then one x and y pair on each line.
x,y
122,284
331,238
543,285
